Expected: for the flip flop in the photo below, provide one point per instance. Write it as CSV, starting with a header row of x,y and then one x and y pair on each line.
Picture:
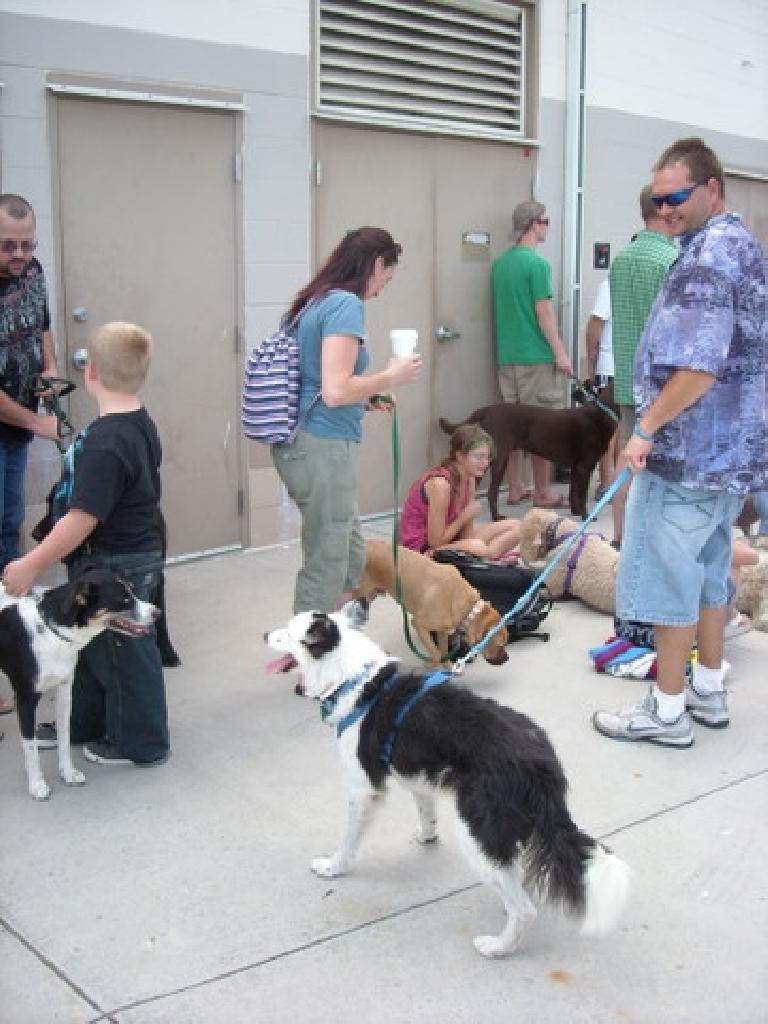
x,y
525,495
559,502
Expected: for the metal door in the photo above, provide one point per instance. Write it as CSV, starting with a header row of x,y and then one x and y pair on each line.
x,y
449,202
380,179
477,186
147,205
749,198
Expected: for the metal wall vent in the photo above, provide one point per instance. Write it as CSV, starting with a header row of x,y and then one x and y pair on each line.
x,y
435,65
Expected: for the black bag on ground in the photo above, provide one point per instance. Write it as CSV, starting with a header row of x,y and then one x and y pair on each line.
x,y
503,586
640,634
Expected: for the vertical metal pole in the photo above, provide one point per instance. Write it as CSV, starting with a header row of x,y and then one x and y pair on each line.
x,y
573,174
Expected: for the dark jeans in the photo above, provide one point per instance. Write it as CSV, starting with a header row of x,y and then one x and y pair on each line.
x,y
13,465
119,690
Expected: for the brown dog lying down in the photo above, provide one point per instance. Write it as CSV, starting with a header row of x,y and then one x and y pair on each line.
x,y
575,437
438,598
587,571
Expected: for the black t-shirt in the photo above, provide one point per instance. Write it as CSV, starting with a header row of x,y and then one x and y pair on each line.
x,y
117,480
24,317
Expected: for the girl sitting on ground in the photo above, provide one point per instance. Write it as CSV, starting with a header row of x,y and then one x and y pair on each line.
x,y
441,508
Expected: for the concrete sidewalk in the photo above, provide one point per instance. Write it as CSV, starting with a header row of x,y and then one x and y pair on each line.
x,y
183,893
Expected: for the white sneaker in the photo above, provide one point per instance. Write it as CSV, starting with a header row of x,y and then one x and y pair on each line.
x,y
709,709
642,722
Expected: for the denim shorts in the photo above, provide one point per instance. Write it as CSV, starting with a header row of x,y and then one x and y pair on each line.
x,y
675,551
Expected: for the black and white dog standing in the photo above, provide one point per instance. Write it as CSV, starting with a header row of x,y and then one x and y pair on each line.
x,y
435,736
39,644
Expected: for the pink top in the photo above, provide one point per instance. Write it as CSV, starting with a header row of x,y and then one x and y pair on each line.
x,y
412,529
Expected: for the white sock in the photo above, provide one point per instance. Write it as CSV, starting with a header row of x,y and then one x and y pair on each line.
x,y
669,706
708,680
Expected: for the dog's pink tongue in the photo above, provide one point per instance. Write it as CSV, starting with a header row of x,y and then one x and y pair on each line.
x,y
282,664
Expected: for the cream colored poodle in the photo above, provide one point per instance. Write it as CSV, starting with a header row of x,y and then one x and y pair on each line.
x,y
587,571
752,593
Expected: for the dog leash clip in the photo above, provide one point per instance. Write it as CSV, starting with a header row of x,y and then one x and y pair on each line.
x,y
457,668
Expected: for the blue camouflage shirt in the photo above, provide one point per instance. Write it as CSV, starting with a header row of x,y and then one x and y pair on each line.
x,y
710,315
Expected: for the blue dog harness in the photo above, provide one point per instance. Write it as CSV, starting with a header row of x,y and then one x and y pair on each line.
x,y
385,755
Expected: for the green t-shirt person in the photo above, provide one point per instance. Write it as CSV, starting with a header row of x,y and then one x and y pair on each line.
x,y
519,279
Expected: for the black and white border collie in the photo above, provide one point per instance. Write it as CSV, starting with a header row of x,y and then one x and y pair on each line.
x,y
497,766
39,644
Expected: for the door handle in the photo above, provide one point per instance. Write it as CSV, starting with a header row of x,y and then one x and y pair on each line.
x,y
446,333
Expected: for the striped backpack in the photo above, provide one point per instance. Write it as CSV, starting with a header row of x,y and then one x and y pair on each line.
x,y
270,407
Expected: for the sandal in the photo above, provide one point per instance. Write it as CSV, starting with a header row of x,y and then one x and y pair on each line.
x,y
560,501
525,495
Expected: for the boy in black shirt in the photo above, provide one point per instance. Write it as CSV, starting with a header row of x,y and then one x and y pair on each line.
x,y
113,522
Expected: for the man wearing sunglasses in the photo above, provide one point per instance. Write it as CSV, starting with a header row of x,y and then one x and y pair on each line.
x,y
529,349
26,353
700,444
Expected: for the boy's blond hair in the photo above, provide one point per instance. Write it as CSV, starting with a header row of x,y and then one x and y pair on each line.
x,y
121,354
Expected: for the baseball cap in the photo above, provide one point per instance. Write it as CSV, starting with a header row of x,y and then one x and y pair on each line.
x,y
524,215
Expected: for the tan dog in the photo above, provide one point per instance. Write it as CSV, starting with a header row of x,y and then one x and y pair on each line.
x,y
438,598
587,571
752,593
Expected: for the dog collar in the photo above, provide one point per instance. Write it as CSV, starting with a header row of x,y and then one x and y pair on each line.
x,y
473,612
49,625
330,700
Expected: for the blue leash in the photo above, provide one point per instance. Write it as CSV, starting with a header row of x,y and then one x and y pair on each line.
x,y
442,676
563,550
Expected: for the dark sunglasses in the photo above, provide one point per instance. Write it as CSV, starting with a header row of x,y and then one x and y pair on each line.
x,y
543,220
675,198
10,245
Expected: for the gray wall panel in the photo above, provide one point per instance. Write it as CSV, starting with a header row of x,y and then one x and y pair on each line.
x,y
96,49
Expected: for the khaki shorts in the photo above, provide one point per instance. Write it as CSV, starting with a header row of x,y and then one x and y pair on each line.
x,y
534,384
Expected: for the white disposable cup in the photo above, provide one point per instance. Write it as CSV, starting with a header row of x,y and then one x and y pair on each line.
x,y
404,341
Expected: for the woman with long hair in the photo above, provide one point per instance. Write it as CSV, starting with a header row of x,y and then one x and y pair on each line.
x,y
320,468
440,508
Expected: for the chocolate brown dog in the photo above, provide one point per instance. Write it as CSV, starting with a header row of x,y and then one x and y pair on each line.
x,y
575,437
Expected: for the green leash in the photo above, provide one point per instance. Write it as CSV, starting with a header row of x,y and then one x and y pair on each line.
x,y
52,390
398,582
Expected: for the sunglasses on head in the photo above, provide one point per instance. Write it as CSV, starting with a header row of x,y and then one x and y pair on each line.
x,y
10,245
675,198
